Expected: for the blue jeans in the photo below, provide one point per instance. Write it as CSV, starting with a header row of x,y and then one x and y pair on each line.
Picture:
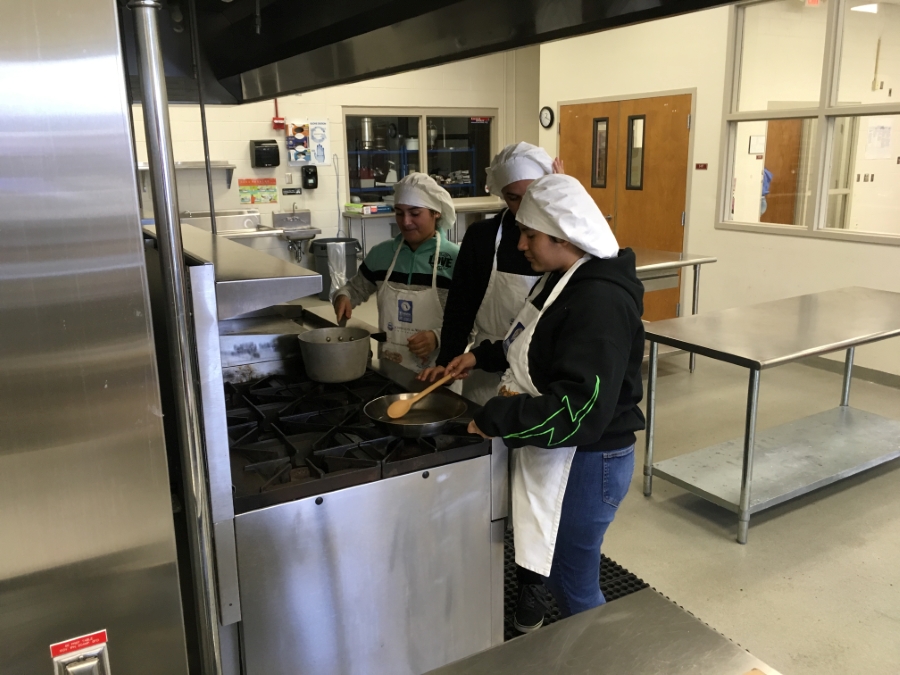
x,y
597,484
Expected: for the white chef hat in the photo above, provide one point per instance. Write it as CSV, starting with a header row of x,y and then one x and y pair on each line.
x,y
559,205
519,161
419,189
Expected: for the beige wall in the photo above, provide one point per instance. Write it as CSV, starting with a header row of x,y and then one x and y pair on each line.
x,y
524,69
689,52
486,83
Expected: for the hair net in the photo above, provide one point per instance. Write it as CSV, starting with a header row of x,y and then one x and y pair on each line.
x,y
520,161
559,205
418,189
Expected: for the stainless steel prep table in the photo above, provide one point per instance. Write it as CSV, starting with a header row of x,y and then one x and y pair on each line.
x,y
640,634
477,205
658,270
794,458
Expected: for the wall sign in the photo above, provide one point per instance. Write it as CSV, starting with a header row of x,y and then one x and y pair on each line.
x,y
308,142
257,190
77,644
757,145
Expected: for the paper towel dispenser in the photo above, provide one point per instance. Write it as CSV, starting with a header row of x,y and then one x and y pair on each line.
x,y
264,153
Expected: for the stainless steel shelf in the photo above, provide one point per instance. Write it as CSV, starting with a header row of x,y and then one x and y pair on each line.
x,y
789,460
228,167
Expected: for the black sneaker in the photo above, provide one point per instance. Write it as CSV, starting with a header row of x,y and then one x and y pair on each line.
x,y
530,608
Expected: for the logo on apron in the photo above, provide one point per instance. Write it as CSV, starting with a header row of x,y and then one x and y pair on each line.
x,y
404,311
517,331
390,325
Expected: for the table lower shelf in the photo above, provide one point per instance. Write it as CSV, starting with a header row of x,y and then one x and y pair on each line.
x,y
789,460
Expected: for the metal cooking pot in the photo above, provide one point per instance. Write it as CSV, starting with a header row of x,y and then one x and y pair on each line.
x,y
428,417
335,354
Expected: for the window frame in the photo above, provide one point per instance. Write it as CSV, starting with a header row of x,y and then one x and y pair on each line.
x,y
423,113
826,112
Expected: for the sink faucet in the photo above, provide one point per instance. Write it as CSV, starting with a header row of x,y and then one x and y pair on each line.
x,y
294,211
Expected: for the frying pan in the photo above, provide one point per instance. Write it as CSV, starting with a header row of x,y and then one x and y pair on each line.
x,y
428,417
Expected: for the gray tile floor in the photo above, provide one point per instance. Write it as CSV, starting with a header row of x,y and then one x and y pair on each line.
x,y
817,588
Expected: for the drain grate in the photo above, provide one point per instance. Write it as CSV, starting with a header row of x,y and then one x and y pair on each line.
x,y
615,582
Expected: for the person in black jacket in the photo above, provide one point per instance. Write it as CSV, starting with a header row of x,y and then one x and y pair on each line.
x,y
492,278
568,403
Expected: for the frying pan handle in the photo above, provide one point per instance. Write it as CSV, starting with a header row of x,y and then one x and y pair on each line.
x,y
422,394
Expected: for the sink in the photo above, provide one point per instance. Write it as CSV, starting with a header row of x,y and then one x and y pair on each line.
x,y
292,220
301,233
227,220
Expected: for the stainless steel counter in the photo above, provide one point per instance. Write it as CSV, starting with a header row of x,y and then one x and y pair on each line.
x,y
659,270
650,260
246,280
464,207
774,333
640,634
486,204
795,458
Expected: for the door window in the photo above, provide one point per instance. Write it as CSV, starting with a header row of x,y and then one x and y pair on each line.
x,y
601,141
634,172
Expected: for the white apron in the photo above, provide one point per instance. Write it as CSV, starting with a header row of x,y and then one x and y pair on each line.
x,y
403,312
539,475
504,297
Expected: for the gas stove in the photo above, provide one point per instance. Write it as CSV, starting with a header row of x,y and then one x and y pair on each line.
x,y
290,438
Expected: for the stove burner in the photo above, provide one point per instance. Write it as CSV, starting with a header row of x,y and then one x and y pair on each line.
x,y
292,438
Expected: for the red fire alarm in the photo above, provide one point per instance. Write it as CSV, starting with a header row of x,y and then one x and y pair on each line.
x,y
277,121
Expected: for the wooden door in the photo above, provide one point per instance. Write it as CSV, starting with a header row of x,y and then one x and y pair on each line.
x,y
783,140
646,177
650,207
588,145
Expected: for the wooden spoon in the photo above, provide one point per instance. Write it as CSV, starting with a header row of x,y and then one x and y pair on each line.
x,y
398,409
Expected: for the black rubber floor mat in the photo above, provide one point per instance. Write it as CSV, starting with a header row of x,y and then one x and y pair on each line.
x,y
615,582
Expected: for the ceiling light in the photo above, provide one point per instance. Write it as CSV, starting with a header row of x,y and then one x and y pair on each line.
x,y
871,9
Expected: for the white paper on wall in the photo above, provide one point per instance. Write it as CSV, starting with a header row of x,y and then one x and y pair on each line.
x,y
319,142
878,140
308,142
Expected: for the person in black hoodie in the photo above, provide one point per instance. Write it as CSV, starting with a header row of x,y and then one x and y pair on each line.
x,y
492,278
570,391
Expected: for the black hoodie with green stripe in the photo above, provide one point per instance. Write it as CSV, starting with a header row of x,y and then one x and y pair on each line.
x,y
584,359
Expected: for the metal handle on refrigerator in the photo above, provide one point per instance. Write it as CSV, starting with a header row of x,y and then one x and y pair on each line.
x,y
179,334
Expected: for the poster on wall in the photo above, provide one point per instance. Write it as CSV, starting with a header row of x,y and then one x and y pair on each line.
x,y
757,145
878,140
257,190
308,142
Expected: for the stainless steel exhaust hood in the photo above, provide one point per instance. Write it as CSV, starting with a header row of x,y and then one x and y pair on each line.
x,y
262,49
458,31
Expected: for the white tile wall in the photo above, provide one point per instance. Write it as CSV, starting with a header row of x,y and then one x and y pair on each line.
x,y
478,83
